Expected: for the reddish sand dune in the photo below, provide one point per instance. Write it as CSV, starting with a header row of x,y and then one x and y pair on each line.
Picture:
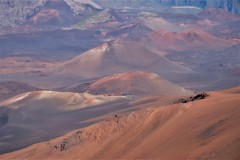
x,y
203,129
136,83
159,23
38,116
117,57
188,40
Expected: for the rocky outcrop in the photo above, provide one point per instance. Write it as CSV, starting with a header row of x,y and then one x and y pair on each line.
x,y
78,5
15,12
198,96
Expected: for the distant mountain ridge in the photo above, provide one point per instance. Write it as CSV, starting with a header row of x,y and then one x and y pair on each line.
x,y
230,5
16,12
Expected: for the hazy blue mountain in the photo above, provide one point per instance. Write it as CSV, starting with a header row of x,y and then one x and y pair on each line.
x,y
230,5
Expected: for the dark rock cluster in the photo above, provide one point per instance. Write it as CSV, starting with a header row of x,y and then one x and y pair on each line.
x,y
198,96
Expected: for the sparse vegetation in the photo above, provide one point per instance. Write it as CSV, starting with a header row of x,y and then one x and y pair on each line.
x,y
102,16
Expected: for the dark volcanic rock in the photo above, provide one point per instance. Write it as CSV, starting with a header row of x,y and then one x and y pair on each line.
x,y
198,96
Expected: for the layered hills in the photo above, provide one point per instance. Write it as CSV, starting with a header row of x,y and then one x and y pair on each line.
x,y
115,79
132,83
117,57
189,41
200,129
39,115
26,118
52,12
62,13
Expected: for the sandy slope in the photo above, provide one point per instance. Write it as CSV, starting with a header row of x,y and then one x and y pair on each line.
x,y
207,128
116,57
42,115
60,100
159,23
191,40
136,83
